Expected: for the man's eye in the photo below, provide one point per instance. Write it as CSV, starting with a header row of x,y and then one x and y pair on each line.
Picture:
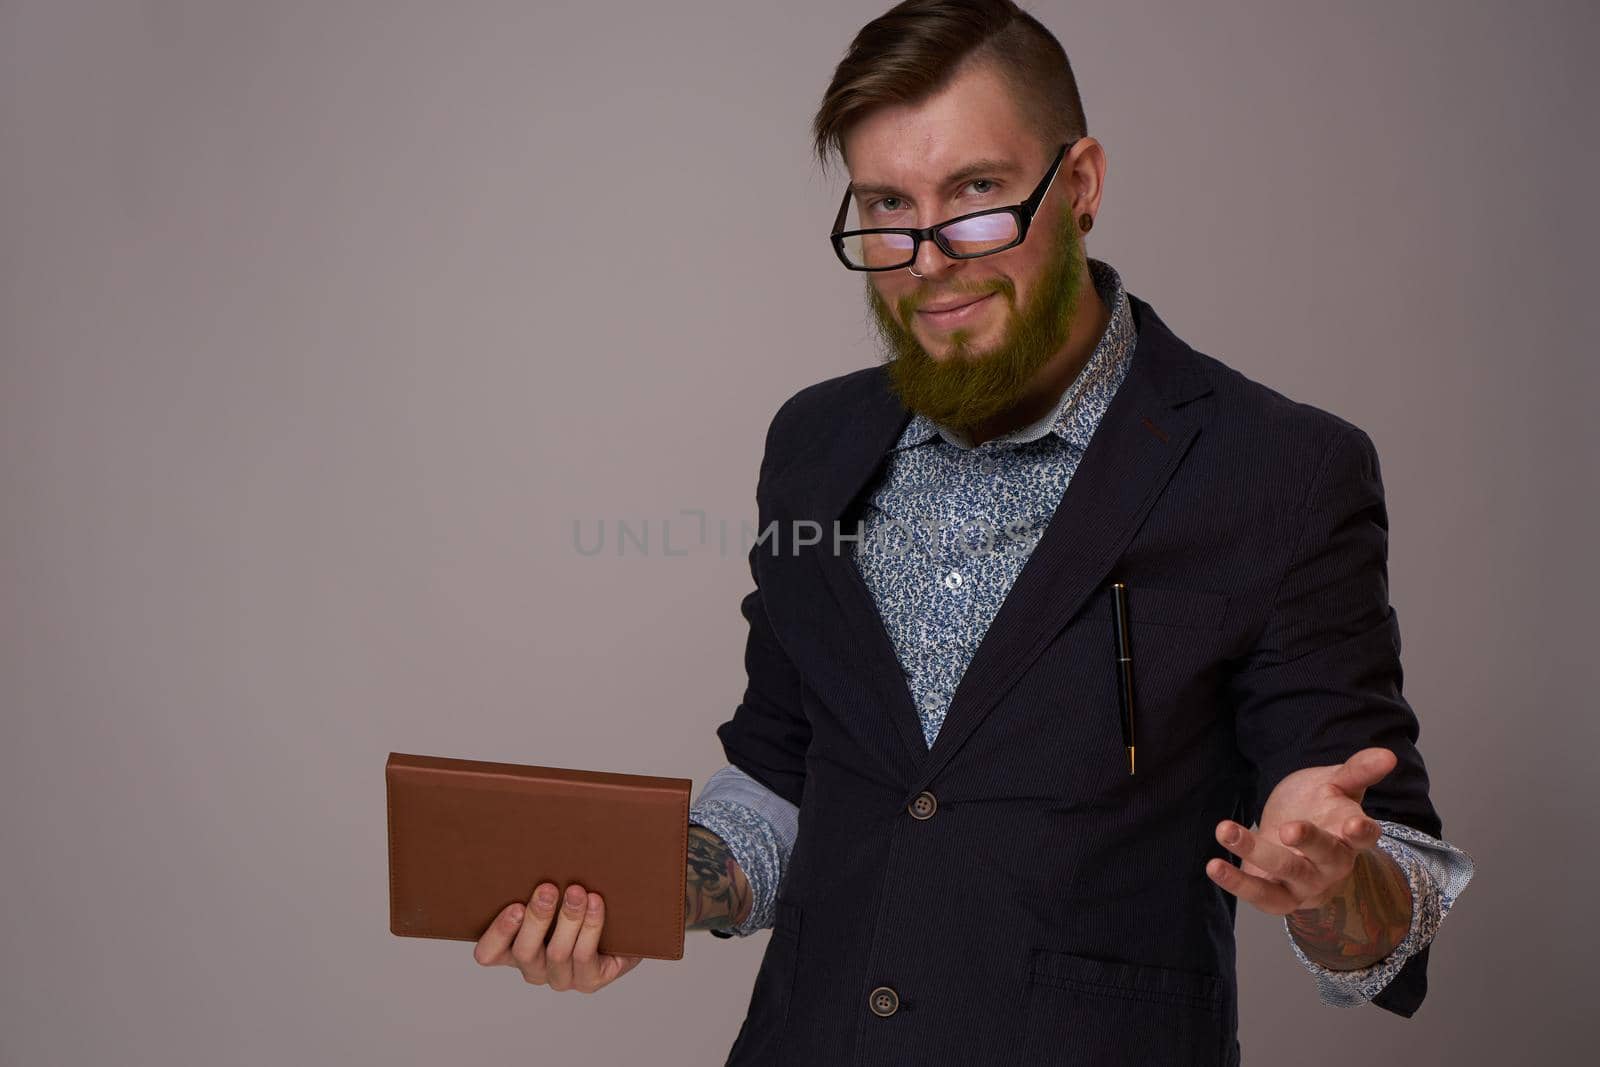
x,y
892,203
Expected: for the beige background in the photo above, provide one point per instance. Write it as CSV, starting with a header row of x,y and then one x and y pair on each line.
x,y
322,322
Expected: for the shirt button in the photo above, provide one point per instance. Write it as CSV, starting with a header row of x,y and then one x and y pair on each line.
x,y
924,806
884,1001
988,465
952,580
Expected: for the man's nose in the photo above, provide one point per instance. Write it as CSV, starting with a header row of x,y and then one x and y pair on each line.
x,y
931,262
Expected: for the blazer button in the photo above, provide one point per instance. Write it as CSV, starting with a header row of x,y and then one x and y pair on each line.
x,y
924,806
885,1001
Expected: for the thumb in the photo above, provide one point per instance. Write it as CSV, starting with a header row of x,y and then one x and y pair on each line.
x,y
1365,768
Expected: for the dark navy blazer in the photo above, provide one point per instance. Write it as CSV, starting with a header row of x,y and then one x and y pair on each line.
x,y
1052,909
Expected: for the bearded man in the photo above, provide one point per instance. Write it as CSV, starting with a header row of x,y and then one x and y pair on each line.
x,y
1094,643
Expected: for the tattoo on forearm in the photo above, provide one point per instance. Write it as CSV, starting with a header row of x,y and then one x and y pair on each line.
x,y
717,894
1363,922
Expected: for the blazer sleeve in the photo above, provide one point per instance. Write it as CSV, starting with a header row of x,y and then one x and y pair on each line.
x,y
1323,680
768,735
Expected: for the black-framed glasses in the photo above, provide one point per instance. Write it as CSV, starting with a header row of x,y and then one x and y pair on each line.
x,y
980,233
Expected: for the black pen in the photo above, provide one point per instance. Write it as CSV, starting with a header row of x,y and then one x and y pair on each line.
x,y
1119,616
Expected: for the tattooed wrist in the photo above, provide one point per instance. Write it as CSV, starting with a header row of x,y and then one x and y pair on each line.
x,y
716,892
1367,916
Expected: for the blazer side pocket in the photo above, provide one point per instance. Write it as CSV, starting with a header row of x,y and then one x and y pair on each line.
x,y
761,1036
1085,1010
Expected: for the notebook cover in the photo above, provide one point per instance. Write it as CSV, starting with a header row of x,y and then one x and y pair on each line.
x,y
468,837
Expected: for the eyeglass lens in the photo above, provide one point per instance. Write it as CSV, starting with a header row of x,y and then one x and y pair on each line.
x,y
982,233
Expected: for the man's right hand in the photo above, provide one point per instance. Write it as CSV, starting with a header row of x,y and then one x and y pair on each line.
x,y
572,959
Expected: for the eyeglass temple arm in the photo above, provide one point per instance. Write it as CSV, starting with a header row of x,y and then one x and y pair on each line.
x,y
1043,191
844,206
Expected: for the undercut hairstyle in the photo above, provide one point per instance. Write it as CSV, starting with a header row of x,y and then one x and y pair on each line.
x,y
914,49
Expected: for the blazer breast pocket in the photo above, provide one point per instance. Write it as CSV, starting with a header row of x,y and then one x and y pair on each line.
x,y
1149,605
1102,1011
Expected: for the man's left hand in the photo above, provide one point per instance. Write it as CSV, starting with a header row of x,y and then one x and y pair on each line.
x,y
1311,832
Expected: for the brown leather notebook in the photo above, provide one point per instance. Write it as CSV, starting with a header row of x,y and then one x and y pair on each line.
x,y
468,837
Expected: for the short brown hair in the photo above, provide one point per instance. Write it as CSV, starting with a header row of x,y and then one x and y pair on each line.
x,y
912,50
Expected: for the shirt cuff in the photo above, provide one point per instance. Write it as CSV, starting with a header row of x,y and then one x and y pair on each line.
x,y
759,828
1437,872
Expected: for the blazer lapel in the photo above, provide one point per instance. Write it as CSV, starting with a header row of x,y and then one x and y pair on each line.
x,y
862,642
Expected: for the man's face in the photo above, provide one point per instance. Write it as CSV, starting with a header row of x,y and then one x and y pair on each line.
x,y
960,373
960,383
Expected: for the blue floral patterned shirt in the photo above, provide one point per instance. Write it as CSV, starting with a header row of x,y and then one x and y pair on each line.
x,y
938,583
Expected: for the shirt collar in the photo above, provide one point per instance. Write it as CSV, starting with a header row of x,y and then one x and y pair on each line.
x,y
1094,385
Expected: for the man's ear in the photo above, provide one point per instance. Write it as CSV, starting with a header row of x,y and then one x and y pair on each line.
x,y
1086,181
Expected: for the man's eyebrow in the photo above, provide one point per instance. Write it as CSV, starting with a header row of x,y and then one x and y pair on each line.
x,y
972,170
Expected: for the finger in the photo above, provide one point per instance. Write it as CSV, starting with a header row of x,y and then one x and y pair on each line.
x,y
1270,897
1280,863
614,967
1361,832
527,951
1365,768
558,953
494,947
587,973
1327,851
